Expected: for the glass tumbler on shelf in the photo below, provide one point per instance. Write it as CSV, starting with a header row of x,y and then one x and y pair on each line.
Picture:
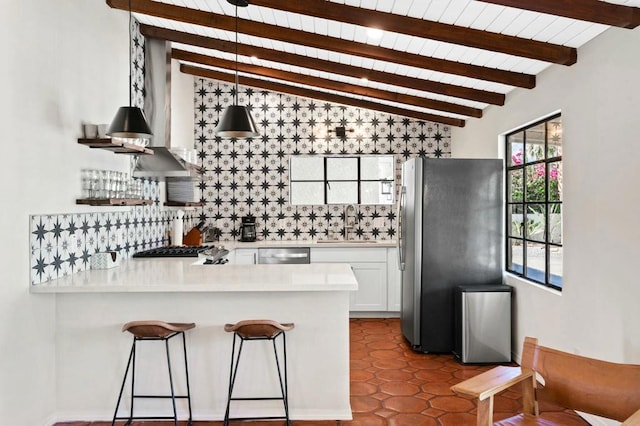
x,y
129,189
88,184
116,181
139,189
111,184
104,184
122,185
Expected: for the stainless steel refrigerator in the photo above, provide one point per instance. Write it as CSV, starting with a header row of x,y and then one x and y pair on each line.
x,y
449,234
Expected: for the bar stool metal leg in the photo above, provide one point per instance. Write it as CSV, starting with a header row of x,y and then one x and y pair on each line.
x,y
173,394
283,386
124,381
233,371
259,330
133,379
155,330
186,374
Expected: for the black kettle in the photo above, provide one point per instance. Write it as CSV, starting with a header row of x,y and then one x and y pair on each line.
x,y
248,229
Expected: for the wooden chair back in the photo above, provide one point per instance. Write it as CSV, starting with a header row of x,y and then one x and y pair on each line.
x,y
592,386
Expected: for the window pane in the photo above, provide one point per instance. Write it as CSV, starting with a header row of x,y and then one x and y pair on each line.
x,y
535,143
516,220
342,168
306,168
515,185
554,138
376,193
342,192
555,181
515,256
536,262
555,223
376,167
555,266
535,222
535,182
515,147
307,193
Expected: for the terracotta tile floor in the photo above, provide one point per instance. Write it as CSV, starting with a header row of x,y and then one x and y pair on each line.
x,y
393,385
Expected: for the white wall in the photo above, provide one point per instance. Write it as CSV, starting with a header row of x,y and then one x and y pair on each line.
x,y
597,312
64,63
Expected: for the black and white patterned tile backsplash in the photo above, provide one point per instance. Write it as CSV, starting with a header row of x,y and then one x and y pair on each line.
x,y
62,244
137,65
251,177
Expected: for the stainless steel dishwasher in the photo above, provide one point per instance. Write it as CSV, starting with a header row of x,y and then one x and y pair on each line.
x,y
294,255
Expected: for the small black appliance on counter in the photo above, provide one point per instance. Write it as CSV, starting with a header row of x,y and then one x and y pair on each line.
x,y
248,229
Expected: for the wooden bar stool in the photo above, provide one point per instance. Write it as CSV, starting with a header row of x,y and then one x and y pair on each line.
x,y
154,330
258,330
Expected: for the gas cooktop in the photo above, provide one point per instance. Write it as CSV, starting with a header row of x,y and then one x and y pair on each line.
x,y
172,251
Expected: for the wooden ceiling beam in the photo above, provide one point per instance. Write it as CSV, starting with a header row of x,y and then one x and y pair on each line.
x,y
319,95
600,12
417,27
323,83
303,38
462,92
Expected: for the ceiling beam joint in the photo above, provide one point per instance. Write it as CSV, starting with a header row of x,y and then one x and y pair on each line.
x,y
320,95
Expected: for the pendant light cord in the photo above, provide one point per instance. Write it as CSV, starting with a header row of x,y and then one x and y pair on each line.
x,y
130,58
236,100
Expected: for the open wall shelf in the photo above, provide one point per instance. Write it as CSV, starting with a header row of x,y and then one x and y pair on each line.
x,y
183,204
115,145
113,201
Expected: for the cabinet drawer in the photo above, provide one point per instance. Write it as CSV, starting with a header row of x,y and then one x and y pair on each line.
x,y
348,255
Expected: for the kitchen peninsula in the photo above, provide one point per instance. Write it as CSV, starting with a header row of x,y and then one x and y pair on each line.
x,y
91,351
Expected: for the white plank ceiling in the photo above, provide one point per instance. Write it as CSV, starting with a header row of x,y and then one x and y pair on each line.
x,y
463,13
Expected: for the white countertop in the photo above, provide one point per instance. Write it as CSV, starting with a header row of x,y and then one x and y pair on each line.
x,y
309,243
186,275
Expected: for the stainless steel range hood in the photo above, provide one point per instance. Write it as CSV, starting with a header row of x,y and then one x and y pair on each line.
x,y
164,163
157,107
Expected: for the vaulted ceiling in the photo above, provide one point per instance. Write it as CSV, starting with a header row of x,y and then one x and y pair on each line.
x,y
438,60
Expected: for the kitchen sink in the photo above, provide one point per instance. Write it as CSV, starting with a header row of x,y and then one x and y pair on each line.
x,y
349,241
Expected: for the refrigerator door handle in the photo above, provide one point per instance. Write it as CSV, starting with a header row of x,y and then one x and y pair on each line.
x,y
399,241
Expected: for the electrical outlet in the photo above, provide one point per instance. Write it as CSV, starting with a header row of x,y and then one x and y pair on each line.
x,y
73,241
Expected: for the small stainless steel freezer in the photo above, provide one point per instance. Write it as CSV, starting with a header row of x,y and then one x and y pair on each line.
x,y
482,324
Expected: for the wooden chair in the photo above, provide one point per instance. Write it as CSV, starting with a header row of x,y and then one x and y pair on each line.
x,y
579,383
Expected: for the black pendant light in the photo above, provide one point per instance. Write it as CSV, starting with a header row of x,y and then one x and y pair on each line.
x,y
236,120
130,121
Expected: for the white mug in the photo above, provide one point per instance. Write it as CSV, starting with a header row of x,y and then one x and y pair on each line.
x,y
90,131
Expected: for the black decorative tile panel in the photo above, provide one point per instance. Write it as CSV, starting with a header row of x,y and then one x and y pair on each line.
x,y
137,65
251,176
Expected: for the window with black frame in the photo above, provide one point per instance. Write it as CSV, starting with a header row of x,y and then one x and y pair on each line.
x,y
364,179
534,202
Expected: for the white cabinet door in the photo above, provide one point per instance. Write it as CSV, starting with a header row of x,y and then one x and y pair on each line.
x,y
370,268
394,281
245,256
372,287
